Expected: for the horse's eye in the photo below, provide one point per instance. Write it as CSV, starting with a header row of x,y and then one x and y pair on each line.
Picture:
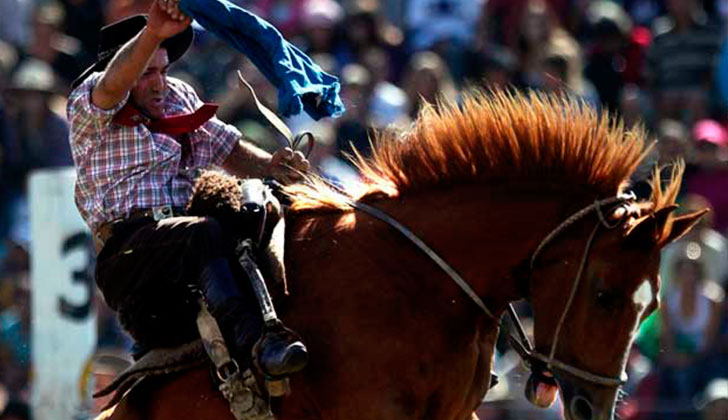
x,y
605,299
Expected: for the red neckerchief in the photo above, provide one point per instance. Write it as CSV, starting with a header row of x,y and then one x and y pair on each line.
x,y
175,125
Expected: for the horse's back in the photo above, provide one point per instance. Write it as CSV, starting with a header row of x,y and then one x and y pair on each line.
x,y
187,395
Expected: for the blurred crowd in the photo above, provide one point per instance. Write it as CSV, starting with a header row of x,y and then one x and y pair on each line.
x,y
659,63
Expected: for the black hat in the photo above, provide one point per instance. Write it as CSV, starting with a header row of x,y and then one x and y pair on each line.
x,y
114,36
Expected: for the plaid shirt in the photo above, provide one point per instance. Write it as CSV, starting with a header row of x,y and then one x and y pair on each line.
x,y
120,168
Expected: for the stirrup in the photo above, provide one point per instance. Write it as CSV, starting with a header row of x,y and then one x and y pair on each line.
x,y
240,389
246,402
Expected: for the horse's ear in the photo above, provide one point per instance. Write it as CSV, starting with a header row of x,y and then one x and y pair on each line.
x,y
682,225
647,229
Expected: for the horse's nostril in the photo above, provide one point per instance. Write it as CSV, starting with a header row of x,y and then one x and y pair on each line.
x,y
581,408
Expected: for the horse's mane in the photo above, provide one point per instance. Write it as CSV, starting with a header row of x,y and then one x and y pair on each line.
x,y
501,137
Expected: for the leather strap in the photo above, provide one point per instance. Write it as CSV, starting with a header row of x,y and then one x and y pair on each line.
x,y
289,140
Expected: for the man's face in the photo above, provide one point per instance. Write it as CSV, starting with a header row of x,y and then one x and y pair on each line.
x,y
150,90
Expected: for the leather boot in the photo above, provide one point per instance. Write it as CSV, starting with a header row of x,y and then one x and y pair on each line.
x,y
279,352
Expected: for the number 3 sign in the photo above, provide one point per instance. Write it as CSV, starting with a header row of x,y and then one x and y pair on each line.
x,y
63,322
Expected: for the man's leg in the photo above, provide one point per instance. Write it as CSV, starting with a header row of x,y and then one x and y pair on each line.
x,y
279,354
151,278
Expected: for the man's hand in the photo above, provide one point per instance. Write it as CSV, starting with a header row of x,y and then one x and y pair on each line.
x,y
288,166
166,20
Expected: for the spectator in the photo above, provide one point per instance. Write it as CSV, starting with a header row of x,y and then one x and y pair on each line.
x,y
493,66
671,146
562,71
37,136
719,360
721,75
710,176
211,66
325,158
3,397
643,12
39,133
389,108
237,104
714,404
8,61
690,320
15,322
711,141
681,60
14,18
284,14
377,62
430,22
16,410
610,28
50,44
673,141
703,241
541,33
366,30
502,18
427,79
320,21
351,131
107,363
634,107
117,10
83,19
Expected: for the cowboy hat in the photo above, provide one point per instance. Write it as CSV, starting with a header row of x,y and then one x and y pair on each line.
x,y
115,35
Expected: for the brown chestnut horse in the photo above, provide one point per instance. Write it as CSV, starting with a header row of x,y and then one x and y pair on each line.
x,y
391,335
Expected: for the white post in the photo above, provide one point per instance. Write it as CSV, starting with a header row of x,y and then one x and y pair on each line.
x,y
63,322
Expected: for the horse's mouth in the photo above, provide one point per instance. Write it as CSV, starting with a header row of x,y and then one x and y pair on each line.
x,y
541,389
581,401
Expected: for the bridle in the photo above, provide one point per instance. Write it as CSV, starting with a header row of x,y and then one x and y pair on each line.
x,y
521,343
524,347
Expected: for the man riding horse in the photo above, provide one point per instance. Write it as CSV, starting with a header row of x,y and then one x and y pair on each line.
x,y
139,138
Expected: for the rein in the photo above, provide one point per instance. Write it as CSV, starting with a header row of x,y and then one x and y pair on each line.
x,y
375,212
521,343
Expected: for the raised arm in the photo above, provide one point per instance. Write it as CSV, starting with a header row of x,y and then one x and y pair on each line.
x,y
132,59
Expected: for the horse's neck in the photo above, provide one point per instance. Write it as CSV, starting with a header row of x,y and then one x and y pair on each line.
x,y
483,233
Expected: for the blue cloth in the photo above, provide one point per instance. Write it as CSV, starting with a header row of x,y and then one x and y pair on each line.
x,y
301,83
